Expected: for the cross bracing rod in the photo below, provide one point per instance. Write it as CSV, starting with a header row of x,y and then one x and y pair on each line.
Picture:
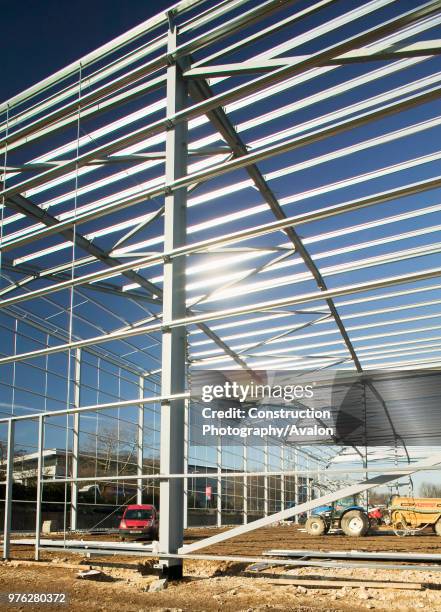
x,y
133,158
233,94
274,314
419,49
287,312
226,239
358,264
268,265
288,332
281,263
31,209
281,328
244,161
33,273
322,500
233,312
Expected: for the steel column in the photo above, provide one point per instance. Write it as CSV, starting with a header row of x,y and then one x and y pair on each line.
x,y
219,483
171,531
140,444
186,448
8,490
75,443
296,483
39,485
245,482
265,480
308,483
282,479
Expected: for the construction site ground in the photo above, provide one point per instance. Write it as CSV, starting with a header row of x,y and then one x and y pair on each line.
x,y
218,585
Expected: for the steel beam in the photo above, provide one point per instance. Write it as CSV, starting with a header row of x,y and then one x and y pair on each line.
x,y
232,237
119,404
419,49
380,283
236,93
146,26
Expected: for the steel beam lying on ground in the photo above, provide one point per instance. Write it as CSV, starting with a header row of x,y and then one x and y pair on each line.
x,y
356,554
145,550
305,507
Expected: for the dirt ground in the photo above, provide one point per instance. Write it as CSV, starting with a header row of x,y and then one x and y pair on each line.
x,y
216,585
289,536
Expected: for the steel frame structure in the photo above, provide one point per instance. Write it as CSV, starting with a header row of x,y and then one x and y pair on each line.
x,y
108,171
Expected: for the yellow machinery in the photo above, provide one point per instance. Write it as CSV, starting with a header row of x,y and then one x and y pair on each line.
x,y
414,513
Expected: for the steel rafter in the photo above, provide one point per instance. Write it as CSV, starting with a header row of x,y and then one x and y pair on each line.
x,y
200,90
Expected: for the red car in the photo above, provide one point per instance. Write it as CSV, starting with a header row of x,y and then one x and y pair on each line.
x,y
139,520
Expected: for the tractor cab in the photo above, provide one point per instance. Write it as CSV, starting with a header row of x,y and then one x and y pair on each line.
x,y
337,508
345,514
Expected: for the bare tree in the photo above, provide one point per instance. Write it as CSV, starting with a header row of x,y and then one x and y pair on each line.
x,y
112,447
428,489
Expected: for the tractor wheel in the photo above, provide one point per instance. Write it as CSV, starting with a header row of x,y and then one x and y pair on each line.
x,y
355,523
437,527
315,526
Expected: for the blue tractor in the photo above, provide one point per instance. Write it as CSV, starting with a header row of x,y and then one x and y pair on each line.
x,y
345,514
